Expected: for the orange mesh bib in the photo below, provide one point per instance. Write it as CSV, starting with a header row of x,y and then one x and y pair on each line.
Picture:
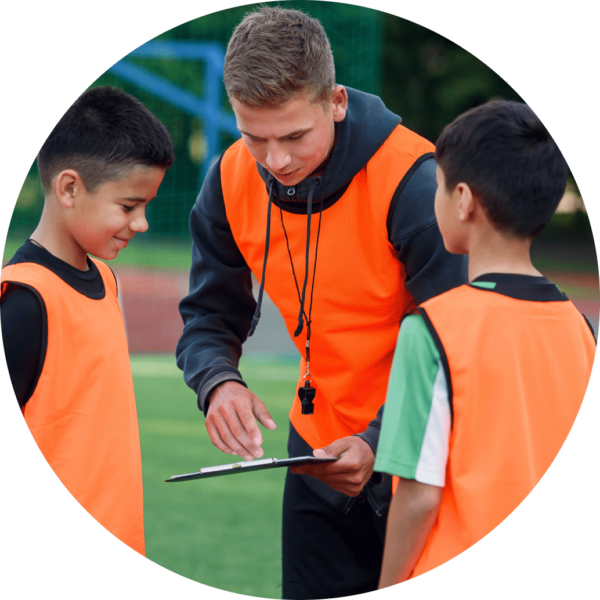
x,y
359,293
519,370
82,413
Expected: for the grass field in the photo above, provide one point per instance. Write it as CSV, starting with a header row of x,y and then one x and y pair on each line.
x,y
224,532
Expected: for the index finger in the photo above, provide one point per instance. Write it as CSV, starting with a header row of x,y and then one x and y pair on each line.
x,y
249,423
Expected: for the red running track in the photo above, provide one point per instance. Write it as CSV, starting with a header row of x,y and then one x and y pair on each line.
x,y
150,299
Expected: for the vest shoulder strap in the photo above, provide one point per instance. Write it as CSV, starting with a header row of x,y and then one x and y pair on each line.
x,y
108,276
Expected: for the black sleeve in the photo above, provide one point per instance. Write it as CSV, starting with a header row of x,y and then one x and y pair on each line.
x,y
219,308
23,317
413,231
414,234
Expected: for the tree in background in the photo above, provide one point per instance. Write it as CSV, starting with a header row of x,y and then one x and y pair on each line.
x,y
429,80
420,75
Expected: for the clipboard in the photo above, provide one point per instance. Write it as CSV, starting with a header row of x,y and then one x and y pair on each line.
x,y
245,466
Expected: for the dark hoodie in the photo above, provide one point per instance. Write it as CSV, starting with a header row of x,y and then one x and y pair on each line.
x,y
218,311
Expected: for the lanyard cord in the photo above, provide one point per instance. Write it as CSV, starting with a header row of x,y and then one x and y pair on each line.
x,y
256,316
301,298
308,220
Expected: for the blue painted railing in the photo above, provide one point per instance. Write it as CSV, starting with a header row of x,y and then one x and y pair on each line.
x,y
208,108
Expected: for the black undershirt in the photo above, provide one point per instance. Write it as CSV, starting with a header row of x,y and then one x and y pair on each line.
x,y
23,316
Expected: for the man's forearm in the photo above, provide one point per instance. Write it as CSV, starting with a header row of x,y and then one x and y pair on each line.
x,y
219,307
413,512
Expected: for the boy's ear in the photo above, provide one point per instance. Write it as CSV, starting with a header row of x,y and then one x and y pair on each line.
x,y
466,202
68,186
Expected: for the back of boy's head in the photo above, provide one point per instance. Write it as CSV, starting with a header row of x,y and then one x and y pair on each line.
x,y
506,156
104,134
275,53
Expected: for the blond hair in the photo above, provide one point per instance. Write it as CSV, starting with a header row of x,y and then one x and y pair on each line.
x,y
275,53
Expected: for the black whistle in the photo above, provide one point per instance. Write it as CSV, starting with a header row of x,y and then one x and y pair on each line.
x,y
307,395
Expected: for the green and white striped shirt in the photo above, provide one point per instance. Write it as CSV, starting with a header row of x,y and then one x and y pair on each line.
x,y
417,419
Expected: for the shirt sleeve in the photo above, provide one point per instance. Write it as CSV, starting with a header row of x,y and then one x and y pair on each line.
x,y
218,310
415,431
23,326
415,236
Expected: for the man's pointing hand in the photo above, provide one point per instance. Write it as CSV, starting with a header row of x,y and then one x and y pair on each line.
x,y
231,420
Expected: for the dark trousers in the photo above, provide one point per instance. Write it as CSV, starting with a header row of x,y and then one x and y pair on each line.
x,y
328,551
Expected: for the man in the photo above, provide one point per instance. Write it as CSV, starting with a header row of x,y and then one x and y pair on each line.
x,y
324,176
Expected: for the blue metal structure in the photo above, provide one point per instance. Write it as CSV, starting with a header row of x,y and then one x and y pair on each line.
x,y
208,109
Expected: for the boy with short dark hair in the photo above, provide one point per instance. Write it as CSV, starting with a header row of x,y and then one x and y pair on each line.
x,y
62,327
488,377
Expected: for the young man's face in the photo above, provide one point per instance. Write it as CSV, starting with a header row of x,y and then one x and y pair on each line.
x,y
292,140
103,222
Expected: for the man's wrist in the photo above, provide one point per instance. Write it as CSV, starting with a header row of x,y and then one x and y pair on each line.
x,y
371,437
210,386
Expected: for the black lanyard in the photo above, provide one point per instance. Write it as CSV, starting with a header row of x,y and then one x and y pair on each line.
x,y
306,393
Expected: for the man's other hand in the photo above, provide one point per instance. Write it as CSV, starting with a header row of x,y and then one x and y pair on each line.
x,y
231,420
350,473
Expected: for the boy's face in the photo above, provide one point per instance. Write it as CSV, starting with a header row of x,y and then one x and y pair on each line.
x,y
448,215
292,140
102,223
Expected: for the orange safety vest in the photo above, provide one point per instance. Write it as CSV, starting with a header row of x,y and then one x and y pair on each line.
x,y
82,413
359,293
518,371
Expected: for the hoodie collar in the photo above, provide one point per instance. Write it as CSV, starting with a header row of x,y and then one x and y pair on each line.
x,y
285,193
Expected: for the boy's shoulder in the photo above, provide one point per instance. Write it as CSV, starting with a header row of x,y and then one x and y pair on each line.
x,y
501,287
33,264
38,288
493,301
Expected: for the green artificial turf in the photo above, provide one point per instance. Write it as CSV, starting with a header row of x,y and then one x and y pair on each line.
x,y
226,531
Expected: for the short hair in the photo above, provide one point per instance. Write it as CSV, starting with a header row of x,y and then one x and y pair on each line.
x,y
102,136
275,53
503,152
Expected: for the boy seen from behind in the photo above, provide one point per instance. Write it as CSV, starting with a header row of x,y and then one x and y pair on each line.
x,y
62,327
487,378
